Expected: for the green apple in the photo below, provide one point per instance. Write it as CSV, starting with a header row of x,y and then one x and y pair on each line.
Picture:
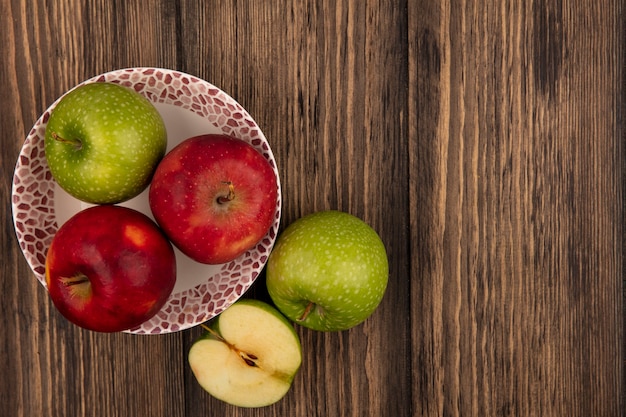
x,y
328,271
103,142
249,356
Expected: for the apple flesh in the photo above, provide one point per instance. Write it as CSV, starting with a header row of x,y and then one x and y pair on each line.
x,y
328,271
215,197
109,269
249,357
103,141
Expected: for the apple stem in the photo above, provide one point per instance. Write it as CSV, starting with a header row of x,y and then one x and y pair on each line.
x,y
248,358
231,193
76,142
307,311
81,279
213,332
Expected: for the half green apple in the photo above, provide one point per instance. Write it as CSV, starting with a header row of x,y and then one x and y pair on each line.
x,y
249,355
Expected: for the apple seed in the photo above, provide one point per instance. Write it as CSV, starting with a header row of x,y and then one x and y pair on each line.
x,y
249,362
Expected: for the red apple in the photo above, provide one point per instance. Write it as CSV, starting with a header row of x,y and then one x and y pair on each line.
x,y
214,196
109,268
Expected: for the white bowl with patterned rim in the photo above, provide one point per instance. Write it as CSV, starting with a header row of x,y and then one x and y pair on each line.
x,y
189,106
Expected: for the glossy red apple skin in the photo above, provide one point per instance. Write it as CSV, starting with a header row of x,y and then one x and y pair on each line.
x,y
129,264
214,196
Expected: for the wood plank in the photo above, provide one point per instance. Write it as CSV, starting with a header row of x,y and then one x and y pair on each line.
x,y
513,115
49,366
327,83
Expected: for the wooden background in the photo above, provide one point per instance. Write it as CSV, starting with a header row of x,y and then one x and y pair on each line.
x,y
483,140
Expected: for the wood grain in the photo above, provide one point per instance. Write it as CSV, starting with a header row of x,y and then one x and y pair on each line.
x,y
515,117
483,141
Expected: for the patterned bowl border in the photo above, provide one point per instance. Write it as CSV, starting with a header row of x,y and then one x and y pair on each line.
x,y
33,194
